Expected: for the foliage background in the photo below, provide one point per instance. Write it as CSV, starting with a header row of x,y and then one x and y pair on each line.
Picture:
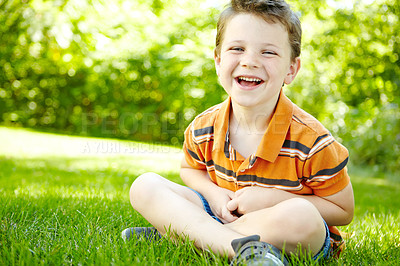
x,y
142,70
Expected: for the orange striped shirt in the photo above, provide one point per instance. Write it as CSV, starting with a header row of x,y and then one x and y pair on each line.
x,y
297,153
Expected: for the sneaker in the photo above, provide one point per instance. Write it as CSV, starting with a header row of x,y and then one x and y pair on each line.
x,y
251,251
148,233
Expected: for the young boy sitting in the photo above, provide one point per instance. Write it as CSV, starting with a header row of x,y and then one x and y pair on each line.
x,y
262,175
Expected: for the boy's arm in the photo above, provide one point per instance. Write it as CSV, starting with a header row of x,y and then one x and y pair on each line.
x,y
336,209
216,196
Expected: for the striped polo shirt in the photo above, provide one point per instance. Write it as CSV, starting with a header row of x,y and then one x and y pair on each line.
x,y
297,153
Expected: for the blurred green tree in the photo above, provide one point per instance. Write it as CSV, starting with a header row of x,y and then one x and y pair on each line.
x,y
351,76
128,69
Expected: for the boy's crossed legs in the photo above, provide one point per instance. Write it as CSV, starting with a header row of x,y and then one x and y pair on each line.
x,y
170,206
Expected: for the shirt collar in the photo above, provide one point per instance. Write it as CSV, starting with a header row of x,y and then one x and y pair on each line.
x,y
275,135
221,125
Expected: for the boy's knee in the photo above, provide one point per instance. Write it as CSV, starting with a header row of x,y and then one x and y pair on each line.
x,y
302,218
300,206
307,225
142,189
145,180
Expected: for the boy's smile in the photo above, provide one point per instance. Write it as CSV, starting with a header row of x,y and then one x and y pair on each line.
x,y
249,83
255,61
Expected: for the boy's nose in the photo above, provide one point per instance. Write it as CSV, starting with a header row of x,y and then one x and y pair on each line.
x,y
250,60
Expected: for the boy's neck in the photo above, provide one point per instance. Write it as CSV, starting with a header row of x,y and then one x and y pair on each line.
x,y
252,121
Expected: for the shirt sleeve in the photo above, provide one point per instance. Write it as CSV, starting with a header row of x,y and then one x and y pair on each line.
x,y
192,151
325,169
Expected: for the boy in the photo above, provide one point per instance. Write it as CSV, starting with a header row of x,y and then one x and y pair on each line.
x,y
262,175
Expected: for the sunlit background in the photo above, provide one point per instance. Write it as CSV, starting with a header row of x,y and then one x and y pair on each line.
x,y
142,70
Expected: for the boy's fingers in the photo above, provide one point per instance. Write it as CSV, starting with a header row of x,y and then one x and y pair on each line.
x,y
227,216
232,205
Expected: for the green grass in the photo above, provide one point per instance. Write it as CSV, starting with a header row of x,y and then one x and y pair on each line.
x,y
64,200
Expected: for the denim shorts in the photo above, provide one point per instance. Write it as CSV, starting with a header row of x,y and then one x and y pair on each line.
x,y
322,254
206,206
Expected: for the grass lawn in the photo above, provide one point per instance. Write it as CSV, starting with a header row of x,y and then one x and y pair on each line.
x,y
64,200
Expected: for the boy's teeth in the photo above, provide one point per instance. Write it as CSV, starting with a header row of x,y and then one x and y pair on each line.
x,y
250,79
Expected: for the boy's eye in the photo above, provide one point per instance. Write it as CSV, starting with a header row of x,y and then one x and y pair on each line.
x,y
269,53
237,49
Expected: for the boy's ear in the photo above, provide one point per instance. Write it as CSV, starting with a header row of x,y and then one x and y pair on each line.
x,y
217,61
293,70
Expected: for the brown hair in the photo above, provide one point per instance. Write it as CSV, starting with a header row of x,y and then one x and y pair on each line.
x,y
272,11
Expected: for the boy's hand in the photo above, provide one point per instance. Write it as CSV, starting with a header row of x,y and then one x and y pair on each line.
x,y
251,199
218,202
216,196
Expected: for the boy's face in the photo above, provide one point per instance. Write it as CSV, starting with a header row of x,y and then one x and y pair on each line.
x,y
255,61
